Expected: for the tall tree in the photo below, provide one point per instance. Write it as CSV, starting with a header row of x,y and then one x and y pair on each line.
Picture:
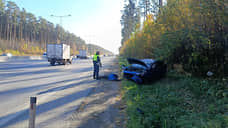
x,y
2,7
160,4
22,24
130,18
145,6
21,30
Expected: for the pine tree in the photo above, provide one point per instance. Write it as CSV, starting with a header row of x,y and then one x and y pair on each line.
x,y
130,18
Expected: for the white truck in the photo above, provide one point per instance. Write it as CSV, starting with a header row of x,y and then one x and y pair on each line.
x,y
58,53
82,54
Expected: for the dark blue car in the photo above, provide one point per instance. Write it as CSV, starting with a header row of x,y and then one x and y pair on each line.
x,y
144,70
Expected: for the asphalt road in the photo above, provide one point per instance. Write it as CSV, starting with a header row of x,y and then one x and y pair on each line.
x,y
59,91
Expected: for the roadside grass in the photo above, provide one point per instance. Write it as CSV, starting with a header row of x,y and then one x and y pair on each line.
x,y
21,53
1,52
14,52
177,101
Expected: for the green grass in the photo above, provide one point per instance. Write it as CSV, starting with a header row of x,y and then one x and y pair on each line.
x,y
177,101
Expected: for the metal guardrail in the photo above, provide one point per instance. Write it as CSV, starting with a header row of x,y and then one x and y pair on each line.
x,y
5,58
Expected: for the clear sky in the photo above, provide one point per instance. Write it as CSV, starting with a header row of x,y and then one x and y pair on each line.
x,y
95,21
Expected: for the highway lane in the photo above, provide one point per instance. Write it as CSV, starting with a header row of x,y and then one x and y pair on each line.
x,y
59,90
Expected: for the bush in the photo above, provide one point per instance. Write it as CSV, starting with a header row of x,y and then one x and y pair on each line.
x,y
186,32
193,50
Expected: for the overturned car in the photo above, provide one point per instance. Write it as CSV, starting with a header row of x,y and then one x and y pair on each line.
x,y
144,70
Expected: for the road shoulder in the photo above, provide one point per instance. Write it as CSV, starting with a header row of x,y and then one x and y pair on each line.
x,y
103,107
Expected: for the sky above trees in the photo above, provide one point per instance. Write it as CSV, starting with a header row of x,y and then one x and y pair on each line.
x,y
96,21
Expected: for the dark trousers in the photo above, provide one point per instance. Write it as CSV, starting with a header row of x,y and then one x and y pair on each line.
x,y
95,70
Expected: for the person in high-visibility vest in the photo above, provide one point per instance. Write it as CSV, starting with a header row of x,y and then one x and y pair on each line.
x,y
96,64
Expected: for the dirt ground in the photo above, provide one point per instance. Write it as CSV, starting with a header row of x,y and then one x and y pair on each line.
x,y
103,108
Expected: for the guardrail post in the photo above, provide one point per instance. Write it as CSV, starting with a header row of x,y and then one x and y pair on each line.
x,y
32,112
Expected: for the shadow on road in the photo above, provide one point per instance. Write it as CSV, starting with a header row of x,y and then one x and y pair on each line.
x,y
37,87
45,71
35,78
22,66
42,108
66,86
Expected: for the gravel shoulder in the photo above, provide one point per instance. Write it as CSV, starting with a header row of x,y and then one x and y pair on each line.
x,y
103,107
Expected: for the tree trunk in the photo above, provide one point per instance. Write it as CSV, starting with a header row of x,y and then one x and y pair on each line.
x,y
160,5
1,27
7,32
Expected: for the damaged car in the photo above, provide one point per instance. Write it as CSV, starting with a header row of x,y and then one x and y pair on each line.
x,y
144,70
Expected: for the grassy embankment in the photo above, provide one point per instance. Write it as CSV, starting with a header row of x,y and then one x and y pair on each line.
x,y
177,101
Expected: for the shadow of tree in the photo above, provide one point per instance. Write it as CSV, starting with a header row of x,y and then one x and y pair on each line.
x,y
35,88
42,108
66,86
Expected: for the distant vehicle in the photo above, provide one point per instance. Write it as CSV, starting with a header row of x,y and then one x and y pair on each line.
x,y
90,57
44,54
58,53
144,70
82,54
7,54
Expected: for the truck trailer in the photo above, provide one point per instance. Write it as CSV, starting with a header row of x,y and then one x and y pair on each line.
x,y
82,54
58,53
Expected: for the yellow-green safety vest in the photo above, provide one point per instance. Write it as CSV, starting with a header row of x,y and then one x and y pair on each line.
x,y
95,57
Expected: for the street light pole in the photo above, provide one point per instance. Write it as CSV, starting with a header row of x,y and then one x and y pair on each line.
x,y
60,17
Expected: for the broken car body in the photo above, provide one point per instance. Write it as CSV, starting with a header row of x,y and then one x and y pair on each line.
x,y
144,70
